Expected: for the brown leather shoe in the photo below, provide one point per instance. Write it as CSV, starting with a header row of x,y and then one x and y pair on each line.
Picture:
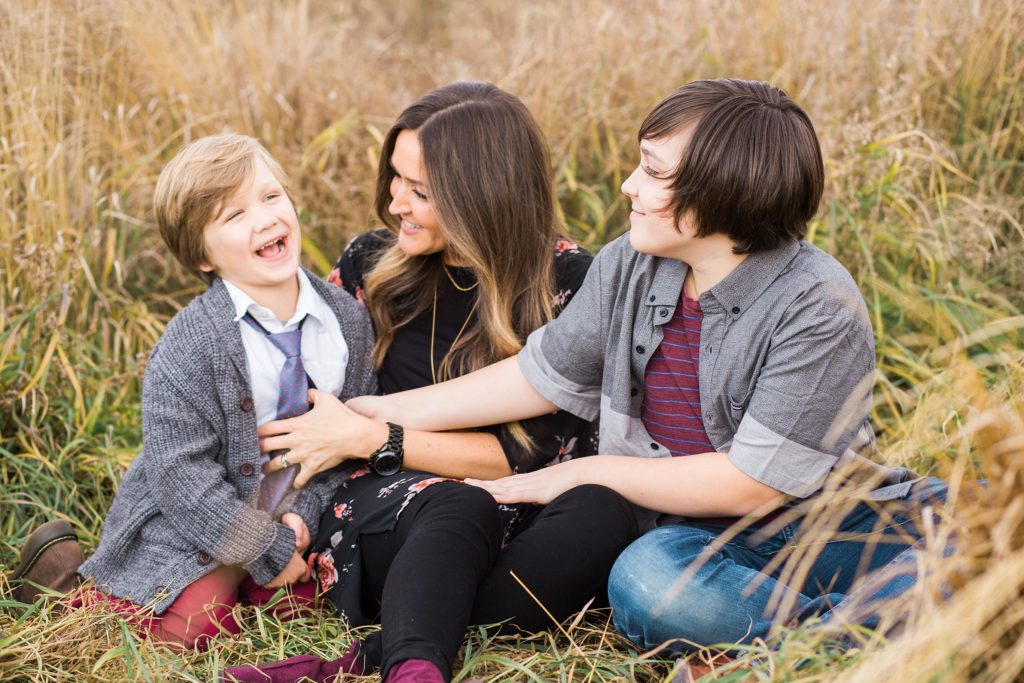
x,y
50,558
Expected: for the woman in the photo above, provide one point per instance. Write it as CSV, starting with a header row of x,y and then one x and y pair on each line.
x,y
470,264
712,332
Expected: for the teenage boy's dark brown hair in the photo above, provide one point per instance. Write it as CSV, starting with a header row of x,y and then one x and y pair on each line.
x,y
752,169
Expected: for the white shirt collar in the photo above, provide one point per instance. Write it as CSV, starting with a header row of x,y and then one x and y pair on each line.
x,y
305,305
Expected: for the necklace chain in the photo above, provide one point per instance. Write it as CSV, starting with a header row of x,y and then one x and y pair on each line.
x,y
455,284
433,329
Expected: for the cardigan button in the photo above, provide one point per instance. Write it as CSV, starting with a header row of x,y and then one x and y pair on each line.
x,y
652,297
246,403
247,469
640,348
634,391
654,446
735,309
203,558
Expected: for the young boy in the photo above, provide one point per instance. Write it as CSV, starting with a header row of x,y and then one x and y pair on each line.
x,y
731,365
186,533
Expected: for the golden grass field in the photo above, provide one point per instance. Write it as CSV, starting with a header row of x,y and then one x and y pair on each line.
x,y
920,109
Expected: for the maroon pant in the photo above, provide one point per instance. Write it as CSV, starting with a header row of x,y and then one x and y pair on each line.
x,y
204,608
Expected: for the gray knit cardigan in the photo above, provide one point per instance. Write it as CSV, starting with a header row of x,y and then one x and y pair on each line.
x,y
186,504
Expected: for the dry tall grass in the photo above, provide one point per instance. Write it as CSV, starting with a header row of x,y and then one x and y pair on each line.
x,y
920,108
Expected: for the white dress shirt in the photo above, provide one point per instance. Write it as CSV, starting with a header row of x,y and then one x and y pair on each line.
x,y
324,350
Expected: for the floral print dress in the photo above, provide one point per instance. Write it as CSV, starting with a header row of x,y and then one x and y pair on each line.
x,y
368,503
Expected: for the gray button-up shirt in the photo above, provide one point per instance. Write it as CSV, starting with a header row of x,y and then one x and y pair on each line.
x,y
786,364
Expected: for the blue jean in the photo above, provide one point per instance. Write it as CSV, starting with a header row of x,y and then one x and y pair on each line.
x,y
729,599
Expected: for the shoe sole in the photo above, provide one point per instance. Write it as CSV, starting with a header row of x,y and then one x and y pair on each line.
x,y
49,534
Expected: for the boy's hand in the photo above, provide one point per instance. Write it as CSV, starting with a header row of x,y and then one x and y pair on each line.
x,y
298,525
294,572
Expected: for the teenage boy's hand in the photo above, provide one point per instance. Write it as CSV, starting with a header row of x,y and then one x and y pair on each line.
x,y
370,406
540,487
298,525
295,571
328,435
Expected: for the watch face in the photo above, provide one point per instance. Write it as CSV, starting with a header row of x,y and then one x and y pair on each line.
x,y
386,462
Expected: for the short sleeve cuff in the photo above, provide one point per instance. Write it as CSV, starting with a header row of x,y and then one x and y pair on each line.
x,y
581,400
776,461
275,556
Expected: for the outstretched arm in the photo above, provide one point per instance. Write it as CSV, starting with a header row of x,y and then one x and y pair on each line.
x,y
704,485
332,433
496,394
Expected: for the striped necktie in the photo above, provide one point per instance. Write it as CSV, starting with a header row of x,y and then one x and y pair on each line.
x,y
292,400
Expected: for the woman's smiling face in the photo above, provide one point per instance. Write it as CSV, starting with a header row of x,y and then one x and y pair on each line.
x,y
420,233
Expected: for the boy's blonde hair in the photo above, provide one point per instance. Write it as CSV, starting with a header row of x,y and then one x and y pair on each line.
x,y
195,184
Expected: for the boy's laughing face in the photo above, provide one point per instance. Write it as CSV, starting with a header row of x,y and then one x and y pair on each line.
x,y
254,240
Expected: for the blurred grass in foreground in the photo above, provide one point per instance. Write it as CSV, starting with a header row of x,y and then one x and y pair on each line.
x,y
920,108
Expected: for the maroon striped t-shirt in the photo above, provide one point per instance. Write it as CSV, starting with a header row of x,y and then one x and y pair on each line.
x,y
671,406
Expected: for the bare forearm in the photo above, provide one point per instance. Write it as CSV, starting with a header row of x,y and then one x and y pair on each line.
x,y
449,454
455,454
704,485
493,395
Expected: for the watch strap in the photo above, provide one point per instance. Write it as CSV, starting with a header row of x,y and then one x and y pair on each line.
x,y
396,438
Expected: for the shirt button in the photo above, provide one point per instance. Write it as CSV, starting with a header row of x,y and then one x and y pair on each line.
x,y
640,348
634,391
663,312
203,558
654,446
652,297
735,309
246,469
246,403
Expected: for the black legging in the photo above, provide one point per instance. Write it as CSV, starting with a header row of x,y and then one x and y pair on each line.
x,y
448,540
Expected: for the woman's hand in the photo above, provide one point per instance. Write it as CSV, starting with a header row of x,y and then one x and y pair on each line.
x,y
540,487
326,436
298,525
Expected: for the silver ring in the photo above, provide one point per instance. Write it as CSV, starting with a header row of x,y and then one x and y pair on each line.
x,y
284,459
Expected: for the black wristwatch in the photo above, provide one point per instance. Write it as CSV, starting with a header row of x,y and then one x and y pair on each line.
x,y
387,459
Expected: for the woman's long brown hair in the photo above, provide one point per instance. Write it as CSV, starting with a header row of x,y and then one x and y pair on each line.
x,y
488,173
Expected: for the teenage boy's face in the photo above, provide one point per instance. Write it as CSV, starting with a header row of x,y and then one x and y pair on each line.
x,y
254,241
653,229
